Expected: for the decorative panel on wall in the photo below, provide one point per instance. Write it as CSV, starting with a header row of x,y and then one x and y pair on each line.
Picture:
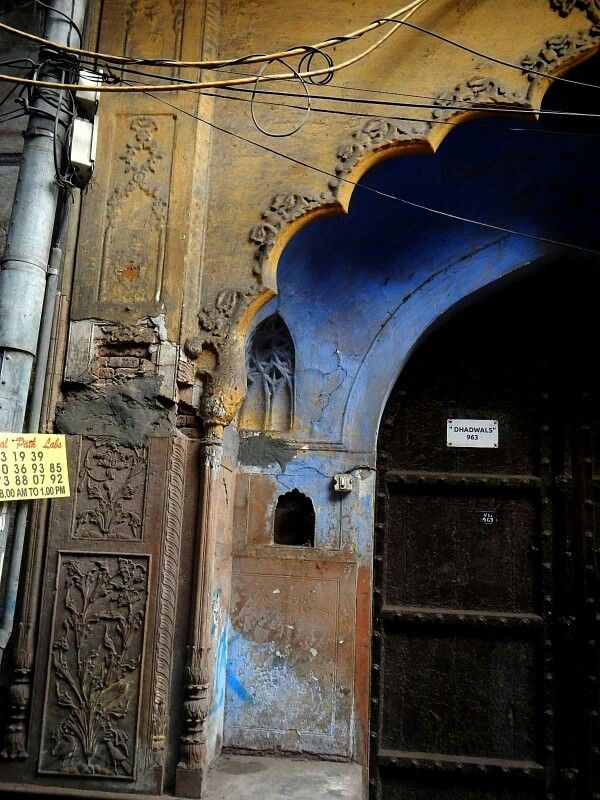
x,y
108,616
94,675
135,213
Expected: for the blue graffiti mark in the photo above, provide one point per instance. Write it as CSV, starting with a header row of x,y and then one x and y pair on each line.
x,y
219,679
235,688
240,691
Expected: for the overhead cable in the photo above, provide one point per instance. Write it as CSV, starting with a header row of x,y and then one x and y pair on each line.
x,y
378,192
360,114
252,58
307,74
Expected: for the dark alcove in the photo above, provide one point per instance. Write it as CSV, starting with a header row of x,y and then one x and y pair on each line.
x,y
294,520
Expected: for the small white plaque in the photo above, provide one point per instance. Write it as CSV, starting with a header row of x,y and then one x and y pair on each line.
x,y
472,433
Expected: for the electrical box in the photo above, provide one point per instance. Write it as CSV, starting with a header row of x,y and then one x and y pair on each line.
x,y
88,96
342,482
83,148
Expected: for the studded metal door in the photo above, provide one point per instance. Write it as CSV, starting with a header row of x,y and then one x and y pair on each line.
x,y
485,664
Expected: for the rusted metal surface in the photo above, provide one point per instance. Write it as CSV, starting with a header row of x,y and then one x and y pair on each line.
x,y
484,661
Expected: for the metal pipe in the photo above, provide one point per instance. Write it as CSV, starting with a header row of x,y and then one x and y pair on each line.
x,y
23,270
33,424
29,236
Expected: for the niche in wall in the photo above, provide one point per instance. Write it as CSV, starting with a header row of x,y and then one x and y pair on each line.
x,y
294,520
270,364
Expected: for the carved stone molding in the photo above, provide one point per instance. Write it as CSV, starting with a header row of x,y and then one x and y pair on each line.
x,y
167,601
557,51
591,7
373,135
130,254
283,209
195,710
217,318
478,92
91,709
196,702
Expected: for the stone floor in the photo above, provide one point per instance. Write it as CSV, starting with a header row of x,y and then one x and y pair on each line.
x,y
242,777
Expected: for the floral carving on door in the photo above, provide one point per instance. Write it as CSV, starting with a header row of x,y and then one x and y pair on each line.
x,y
90,720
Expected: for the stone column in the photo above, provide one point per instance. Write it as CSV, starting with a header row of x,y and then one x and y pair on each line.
x,y
193,764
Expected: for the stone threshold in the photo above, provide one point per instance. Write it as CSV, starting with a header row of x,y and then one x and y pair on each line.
x,y
238,777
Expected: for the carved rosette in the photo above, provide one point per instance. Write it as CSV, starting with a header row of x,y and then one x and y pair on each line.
x,y
90,719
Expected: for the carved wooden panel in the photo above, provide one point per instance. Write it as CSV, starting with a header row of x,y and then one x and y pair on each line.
x,y
107,617
110,491
94,672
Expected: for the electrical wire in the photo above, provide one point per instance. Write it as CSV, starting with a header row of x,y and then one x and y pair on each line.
x,y
493,59
378,192
435,106
328,70
307,109
365,115
311,50
253,58
349,100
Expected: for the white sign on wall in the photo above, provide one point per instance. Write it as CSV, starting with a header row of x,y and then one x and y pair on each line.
x,y
472,433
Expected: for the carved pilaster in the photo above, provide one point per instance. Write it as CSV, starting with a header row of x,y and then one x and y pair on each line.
x,y
192,763
17,722
195,707
15,736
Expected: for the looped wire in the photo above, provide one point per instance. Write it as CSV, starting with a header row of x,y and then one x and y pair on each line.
x,y
305,65
295,72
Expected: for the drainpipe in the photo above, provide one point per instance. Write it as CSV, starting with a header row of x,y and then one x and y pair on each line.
x,y
29,237
23,270
33,425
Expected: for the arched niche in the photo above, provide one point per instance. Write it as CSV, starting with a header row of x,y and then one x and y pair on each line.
x,y
270,369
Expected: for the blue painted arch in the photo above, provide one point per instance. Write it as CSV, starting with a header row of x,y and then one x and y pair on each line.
x,y
359,292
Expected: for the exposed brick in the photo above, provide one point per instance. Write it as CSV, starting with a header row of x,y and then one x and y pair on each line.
x,y
124,362
147,367
105,373
125,372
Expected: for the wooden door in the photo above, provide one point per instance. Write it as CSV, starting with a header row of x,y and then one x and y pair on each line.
x,y
485,662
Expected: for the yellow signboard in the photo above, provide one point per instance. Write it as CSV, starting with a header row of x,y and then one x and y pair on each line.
x,y
33,466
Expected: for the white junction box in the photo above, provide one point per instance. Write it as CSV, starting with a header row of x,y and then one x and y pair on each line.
x,y
83,147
